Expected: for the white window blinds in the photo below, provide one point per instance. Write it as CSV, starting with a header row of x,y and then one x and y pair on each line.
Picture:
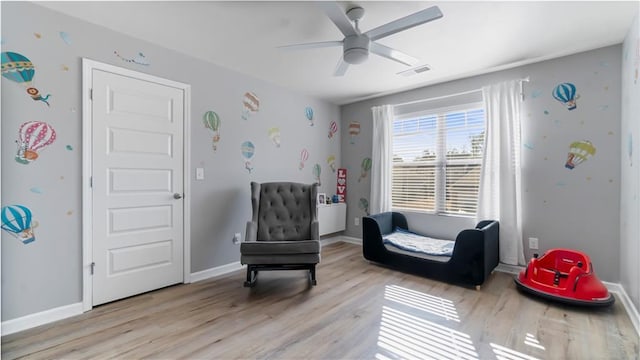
x,y
437,156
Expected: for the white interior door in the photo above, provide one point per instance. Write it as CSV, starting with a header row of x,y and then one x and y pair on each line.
x,y
137,185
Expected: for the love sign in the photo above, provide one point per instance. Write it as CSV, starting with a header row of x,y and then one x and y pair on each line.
x,y
341,190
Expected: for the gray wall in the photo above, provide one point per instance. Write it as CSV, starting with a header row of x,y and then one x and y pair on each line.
x,y
576,208
47,273
630,166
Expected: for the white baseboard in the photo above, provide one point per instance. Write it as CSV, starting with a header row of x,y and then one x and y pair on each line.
x,y
352,240
41,318
632,311
216,271
509,269
330,240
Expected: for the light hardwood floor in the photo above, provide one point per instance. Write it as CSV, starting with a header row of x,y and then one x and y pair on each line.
x,y
357,310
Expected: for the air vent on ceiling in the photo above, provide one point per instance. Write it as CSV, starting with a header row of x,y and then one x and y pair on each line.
x,y
415,70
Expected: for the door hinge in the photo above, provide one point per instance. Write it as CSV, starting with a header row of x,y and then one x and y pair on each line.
x,y
93,266
91,182
90,94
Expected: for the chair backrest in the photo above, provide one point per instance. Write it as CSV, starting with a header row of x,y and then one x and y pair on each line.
x,y
284,210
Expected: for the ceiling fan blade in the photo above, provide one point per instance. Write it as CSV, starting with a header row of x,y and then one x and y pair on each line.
x,y
341,68
313,45
405,23
393,54
337,15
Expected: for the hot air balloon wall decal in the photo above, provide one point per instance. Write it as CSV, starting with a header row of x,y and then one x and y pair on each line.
x,y
212,122
363,204
333,128
250,105
331,161
248,150
365,166
579,152
566,94
308,113
33,136
18,221
17,67
316,173
304,156
274,135
354,130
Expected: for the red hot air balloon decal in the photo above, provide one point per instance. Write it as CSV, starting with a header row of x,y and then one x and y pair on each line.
x,y
354,130
34,136
333,128
304,156
250,105
18,68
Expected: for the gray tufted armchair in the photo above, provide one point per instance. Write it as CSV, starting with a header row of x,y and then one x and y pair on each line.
x,y
283,232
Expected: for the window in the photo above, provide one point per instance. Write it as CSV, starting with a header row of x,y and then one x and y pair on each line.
x,y
437,157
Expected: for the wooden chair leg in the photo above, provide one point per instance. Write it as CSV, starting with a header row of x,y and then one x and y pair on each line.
x,y
477,287
312,274
252,276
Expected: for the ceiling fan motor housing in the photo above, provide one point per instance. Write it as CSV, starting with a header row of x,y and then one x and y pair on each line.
x,y
356,49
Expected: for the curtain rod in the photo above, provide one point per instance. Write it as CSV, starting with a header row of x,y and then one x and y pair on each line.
x,y
451,95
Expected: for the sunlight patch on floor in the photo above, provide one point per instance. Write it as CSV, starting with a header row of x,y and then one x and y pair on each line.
x,y
407,336
407,333
504,353
531,340
421,301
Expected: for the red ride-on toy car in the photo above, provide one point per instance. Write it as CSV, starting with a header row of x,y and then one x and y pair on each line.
x,y
566,276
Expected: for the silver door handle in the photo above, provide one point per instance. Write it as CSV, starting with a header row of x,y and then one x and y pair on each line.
x,y
177,196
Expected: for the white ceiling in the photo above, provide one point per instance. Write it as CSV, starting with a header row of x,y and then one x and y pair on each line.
x,y
472,37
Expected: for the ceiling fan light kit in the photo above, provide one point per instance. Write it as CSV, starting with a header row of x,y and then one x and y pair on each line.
x,y
356,45
356,49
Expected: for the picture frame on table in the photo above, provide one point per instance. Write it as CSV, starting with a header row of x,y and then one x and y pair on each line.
x,y
322,198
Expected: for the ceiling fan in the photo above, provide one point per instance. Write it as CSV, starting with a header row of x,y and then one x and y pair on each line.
x,y
357,45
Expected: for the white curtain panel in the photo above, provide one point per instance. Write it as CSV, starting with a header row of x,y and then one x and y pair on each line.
x,y
381,166
500,195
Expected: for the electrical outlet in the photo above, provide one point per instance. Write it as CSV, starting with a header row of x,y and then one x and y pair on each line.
x,y
236,238
356,221
199,173
533,243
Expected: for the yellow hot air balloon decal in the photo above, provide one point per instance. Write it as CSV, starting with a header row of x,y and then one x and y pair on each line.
x,y
579,152
331,161
274,135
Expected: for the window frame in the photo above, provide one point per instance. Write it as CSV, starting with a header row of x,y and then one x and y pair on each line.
x,y
440,162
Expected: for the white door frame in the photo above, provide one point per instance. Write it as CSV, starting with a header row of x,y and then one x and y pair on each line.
x,y
87,159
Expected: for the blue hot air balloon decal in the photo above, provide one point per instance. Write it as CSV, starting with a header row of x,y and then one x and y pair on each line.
x,y
17,221
566,94
308,112
18,68
248,149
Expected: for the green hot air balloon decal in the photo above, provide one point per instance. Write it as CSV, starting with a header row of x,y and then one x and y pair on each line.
x,y
212,122
248,149
579,152
316,173
16,67
364,205
364,167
